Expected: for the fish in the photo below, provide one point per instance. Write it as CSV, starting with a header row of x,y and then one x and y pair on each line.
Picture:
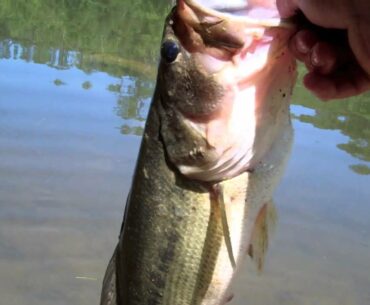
x,y
216,141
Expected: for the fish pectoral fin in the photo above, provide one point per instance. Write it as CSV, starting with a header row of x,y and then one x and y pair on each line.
x,y
218,194
264,226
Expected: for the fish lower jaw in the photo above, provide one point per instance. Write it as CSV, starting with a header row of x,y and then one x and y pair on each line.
x,y
245,154
225,167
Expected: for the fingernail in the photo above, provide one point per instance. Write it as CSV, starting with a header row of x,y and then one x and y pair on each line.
x,y
301,46
315,60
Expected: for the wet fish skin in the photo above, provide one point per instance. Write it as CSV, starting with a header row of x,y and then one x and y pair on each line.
x,y
172,248
173,234
165,236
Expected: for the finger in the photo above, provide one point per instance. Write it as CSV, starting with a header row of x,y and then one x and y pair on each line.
x,y
321,53
359,39
327,13
324,57
317,55
301,44
351,82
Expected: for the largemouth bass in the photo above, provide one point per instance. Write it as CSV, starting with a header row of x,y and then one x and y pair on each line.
x,y
217,137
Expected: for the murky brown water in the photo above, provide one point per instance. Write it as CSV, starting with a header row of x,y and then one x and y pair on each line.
x,y
74,96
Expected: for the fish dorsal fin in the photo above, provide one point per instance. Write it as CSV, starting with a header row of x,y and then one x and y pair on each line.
x,y
264,226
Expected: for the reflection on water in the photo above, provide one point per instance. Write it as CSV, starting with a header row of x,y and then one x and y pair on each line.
x,y
133,93
74,95
133,99
350,117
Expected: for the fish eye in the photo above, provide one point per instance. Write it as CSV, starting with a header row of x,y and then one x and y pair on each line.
x,y
169,51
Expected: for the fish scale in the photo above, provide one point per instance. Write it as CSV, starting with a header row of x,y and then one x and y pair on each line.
x,y
184,267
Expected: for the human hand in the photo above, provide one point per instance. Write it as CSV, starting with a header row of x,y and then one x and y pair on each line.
x,y
337,51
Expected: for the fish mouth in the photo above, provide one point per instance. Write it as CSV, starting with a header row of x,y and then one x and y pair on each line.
x,y
232,61
248,12
230,25
222,30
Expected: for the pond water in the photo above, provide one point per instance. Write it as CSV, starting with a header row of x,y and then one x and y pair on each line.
x,y
76,79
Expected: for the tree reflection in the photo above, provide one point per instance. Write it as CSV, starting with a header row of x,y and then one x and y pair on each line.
x,y
134,96
104,35
119,37
351,117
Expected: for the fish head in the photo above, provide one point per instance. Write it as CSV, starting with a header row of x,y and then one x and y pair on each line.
x,y
225,79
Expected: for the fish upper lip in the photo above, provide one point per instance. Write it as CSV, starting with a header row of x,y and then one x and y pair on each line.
x,y
241,20
220,30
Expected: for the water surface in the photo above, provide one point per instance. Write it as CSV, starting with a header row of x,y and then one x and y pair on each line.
x,y
76,81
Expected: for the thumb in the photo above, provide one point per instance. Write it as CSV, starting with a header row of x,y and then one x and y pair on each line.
x,y
286,8
359,39
324,13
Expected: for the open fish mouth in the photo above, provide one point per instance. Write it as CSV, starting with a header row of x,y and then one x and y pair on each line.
x,y
259,12
237,7
223,30
226,77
